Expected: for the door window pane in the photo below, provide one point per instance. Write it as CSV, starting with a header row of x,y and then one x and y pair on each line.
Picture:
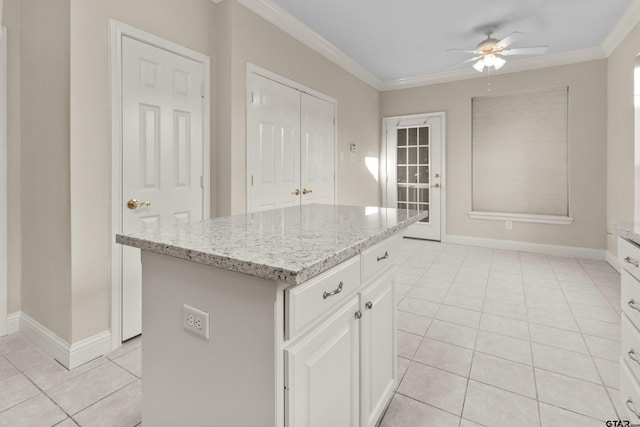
x,y
413,155
424,155
413,136
402,137
424,135
413,175
402,156
424,195
402,194
413,194
424,174
402,174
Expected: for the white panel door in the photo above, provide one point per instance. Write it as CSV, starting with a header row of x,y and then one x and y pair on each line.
x,y
317,151
162,157
378,348
273,144
322,373
415,169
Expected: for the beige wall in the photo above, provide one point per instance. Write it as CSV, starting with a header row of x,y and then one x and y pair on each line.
x,y
46,225
251,39
587,137
620,133
11,20
189,23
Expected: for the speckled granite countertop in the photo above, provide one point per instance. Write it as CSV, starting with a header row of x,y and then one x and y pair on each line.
x,y
627,230
291,244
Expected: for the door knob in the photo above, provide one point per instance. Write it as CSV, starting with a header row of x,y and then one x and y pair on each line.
x,y
296,193
437,175
305,191
133,204
436,185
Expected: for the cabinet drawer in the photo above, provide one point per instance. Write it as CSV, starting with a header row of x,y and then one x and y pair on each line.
x,y
630,349
379,257
314,300
629,393
630,297
629,256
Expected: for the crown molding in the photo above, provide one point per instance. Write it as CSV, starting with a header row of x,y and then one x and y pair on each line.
x,y
298,30
511,66
623,27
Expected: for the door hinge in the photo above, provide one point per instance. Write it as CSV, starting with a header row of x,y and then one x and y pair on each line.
x,y
203,90
252,180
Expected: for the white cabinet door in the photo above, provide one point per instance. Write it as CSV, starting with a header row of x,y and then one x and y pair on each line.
x,y
323,370
317,151
273,145
378,347
162,152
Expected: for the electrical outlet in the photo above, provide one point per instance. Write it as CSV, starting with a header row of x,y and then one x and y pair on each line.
x,y
508,225
195,321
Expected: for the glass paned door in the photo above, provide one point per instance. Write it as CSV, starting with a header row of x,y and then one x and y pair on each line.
x,y
413,168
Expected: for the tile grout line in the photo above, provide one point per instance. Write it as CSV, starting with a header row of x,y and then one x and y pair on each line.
x,y
602,383
533,363
475,344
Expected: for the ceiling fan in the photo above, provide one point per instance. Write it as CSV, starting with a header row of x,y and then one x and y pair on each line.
x,y
490,52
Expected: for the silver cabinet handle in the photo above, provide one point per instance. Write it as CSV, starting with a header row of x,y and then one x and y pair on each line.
x,y
632,356
369,305
631,261
386,255
632,304
358,315
326,294
631,407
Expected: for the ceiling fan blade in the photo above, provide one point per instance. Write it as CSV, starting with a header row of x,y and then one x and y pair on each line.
x,y
534,50
464,62
463,50
510,39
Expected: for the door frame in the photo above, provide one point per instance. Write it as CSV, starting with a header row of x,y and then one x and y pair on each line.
x,y
384,176
4,296
116,31
254,69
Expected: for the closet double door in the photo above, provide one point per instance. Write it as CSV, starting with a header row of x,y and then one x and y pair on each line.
x,y
290,146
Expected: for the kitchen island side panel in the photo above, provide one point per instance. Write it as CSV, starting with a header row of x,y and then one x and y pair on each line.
x,y
228,380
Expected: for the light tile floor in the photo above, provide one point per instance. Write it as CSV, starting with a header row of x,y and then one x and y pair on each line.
x,y
495,338
485,338
36,391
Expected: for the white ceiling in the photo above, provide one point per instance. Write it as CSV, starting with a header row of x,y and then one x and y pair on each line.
x,y
404,39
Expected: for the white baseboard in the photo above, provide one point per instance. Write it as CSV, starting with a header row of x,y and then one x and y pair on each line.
x,y
13,322
69,355
568,251
613,261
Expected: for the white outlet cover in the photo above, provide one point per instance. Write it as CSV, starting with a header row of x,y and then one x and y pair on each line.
x,y
197,315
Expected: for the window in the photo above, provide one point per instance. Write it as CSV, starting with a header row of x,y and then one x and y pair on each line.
x,y
521,156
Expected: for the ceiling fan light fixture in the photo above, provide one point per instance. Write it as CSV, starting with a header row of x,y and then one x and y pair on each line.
x,y
489,60
479,66
498,63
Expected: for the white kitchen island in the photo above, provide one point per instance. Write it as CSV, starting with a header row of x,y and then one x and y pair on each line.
x,y
301,311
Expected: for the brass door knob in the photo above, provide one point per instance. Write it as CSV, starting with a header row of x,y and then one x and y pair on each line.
x,y
436,185
296,193
305,191
436,175
134,204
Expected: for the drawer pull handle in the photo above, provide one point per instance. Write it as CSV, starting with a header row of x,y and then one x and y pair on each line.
x,y
369,305
326,294
358,315
632,304
386,255
632,356
631,261
632,408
